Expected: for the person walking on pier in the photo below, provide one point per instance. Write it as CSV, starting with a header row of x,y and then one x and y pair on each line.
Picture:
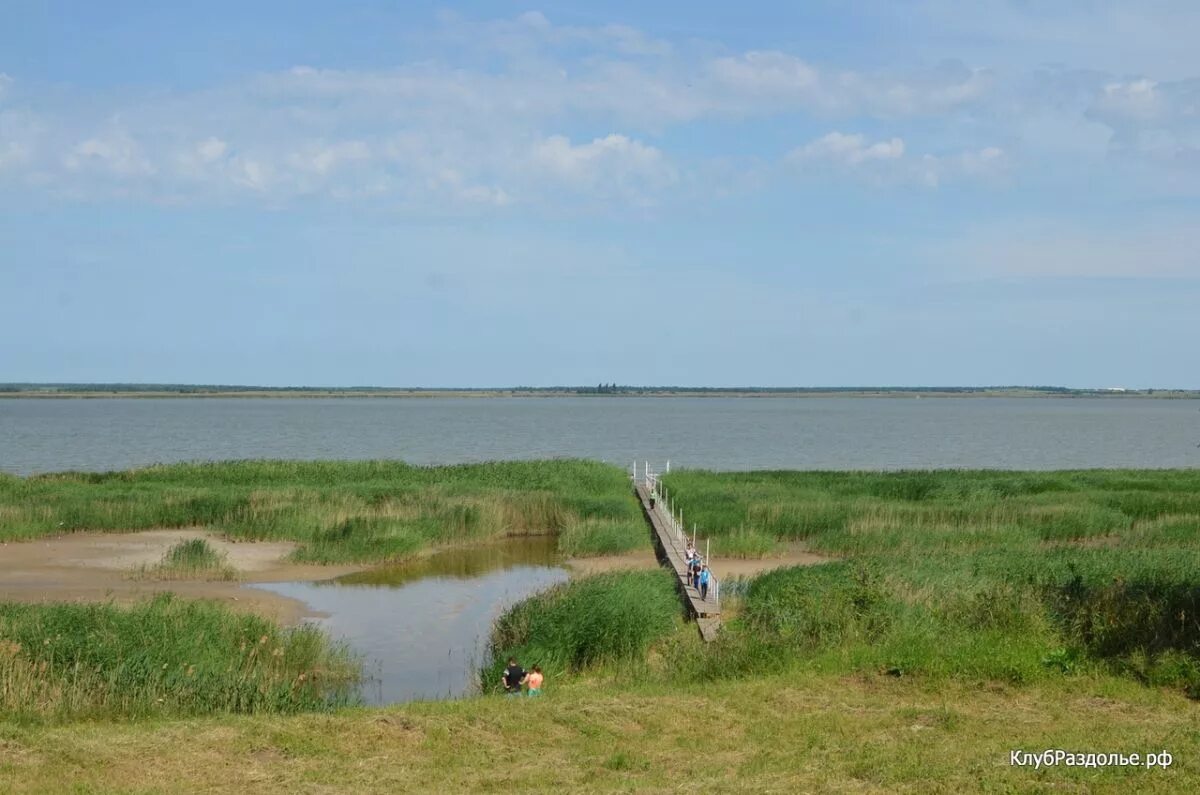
x,y
697,566
704,577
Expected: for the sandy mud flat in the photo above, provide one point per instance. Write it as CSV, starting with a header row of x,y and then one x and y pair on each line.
x,y
100,567
97,567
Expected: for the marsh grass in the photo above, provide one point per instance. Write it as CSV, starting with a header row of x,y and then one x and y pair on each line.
x,y
989,575
603,537
165,656
190,560
605,619
352,511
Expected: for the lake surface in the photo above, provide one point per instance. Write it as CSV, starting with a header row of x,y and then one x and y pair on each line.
x,y
39,435
422,628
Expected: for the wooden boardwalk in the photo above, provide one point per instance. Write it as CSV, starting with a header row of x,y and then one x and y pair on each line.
x,y
707,612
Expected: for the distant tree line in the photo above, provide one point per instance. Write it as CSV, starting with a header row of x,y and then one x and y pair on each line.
x,y
599,389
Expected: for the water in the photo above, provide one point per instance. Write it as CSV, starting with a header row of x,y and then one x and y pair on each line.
x,y
39,435
422,628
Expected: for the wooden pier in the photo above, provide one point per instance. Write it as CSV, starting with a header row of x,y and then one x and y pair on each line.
x,y
707,612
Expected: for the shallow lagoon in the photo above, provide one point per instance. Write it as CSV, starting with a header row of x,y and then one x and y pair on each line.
x,y
422,627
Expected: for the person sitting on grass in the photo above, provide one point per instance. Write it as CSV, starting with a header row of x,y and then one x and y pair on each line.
x,y
534,679
704,577
514,677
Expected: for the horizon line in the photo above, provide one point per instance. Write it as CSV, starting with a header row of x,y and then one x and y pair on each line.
x,y
600,388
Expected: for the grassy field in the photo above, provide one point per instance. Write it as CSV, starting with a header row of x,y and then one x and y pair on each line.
x,y
163,657
369,511
795,733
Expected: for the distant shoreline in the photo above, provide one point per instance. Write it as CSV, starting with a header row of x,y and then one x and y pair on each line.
x,y
82,392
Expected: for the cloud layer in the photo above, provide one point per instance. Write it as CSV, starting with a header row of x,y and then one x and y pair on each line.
x,y
568,114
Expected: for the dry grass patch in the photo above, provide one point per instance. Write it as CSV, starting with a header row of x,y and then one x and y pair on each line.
x,y
794,733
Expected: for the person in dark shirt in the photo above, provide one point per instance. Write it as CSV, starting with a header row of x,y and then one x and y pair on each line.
x,y
514,675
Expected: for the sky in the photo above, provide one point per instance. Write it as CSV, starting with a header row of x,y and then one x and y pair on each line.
x,y
911,192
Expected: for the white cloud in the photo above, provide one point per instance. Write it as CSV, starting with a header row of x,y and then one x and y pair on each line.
x,y
451,183
211,149
987,163
114,151
614,165
389,133
252,174
758,81
888,161
770,74
12,154
1138,100
532,32
847,149
1159,121
323,159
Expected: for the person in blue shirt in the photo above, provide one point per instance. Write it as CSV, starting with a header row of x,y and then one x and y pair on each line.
x,y
704,577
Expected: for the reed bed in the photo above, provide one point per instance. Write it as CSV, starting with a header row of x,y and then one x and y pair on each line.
x,y
165,656
1013,576
368,511
610,618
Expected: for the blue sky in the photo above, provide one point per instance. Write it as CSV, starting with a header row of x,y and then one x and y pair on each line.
x,y
823,193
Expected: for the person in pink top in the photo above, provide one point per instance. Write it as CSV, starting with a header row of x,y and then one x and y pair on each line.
x,y
534,680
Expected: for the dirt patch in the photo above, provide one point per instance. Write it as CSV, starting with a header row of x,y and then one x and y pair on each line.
x,y
96,567
724,567
630,561
749,567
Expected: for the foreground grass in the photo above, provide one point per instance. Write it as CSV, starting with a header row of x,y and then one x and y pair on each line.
x,y
778,734
360,511
190,560
165,656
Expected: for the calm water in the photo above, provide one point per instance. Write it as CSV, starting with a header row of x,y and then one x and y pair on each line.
x,y
722,433
422,628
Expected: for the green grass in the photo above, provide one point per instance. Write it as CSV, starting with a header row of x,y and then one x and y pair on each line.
x,y
604,537
605,619
788,733
188,560
1009,576
369,511
968,614
162,657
